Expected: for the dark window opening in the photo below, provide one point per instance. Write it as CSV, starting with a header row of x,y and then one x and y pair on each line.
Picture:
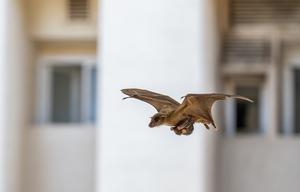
x,y
66,94
72,94
247,114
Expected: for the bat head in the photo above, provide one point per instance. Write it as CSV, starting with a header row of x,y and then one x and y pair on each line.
x,y
157,120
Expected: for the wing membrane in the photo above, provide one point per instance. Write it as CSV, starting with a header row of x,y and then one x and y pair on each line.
x,y
199,105
158,101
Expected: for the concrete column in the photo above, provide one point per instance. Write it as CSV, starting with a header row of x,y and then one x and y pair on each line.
x,y
3,88
209,81
165,46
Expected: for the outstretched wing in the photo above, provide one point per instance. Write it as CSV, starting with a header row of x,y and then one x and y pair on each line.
x,y
160,102
199,105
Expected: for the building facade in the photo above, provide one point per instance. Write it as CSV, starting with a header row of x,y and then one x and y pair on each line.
x,y
65,128
259,59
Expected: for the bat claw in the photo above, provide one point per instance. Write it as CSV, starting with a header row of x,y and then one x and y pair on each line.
x,y
126,98
206,126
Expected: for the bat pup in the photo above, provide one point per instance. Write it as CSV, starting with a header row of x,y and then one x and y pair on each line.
x,y
195,108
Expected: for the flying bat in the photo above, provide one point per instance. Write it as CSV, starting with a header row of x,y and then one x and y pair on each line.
x,y
195,108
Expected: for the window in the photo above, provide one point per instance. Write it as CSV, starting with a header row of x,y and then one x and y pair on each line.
x,y
297,100
78,9
291,100
244,117
247,113
67,92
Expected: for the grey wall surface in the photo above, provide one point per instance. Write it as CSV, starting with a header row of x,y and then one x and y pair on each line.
x,y
259,164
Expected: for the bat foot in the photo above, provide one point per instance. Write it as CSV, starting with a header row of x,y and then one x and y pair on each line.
x,y
182,131
176,130
207,127
186,123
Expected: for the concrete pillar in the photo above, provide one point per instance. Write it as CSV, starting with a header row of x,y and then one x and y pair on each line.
x,y
3,85
162,45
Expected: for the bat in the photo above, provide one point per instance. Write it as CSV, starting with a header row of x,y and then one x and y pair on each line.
x,y
195,108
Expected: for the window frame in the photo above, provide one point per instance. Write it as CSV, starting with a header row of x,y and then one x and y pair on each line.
x,y
44,87
230,109
288,97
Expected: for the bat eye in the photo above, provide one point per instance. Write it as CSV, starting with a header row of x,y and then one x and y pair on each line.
x,y
156,119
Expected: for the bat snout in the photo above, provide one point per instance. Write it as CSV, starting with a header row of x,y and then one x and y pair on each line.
x,y
151,124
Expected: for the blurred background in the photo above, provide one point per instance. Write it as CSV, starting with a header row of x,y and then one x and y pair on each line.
x,y
64,127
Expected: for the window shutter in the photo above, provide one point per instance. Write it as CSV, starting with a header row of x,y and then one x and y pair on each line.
x,y
78,9
246,51
264,11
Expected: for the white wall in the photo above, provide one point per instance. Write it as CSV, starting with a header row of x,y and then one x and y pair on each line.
x,y
17,109
164,46
60,158
3,87
39,158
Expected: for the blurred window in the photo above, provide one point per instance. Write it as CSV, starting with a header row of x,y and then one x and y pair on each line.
x,y
247,114
78,9
66,97
67,92
264,11
246,50
243,117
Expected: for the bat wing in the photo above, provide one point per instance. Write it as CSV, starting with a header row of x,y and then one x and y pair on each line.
x,y
199,105
162,103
